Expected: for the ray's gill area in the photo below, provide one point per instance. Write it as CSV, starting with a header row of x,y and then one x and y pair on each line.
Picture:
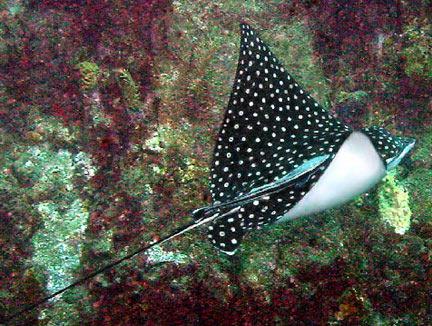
x,y
109,111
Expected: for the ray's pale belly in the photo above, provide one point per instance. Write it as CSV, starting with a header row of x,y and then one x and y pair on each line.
x,y
355,169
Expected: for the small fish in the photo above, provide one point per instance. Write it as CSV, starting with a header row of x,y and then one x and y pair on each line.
x,y
279,155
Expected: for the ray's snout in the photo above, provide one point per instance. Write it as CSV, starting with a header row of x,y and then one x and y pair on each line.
x,y
406,159
405,145
407,142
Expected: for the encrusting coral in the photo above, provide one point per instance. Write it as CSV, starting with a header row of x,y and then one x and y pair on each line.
x,y
394,207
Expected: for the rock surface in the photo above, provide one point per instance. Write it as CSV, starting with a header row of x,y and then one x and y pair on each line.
x,y
108,115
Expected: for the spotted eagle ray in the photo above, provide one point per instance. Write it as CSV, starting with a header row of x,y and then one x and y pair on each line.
x,y
279,155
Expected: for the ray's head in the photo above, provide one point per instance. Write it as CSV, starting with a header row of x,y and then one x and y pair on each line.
x,y
392,149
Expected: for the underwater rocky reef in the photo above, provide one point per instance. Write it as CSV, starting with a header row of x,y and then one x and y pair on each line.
x,y
109,111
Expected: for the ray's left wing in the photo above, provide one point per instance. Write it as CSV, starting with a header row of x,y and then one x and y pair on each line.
x,y
262,206
271,125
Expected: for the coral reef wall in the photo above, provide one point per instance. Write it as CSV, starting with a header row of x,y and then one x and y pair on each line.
x,y
108,114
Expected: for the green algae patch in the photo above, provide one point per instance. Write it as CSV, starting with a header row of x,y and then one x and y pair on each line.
x,y
57,244
189,173
258,254
419,183
50,129
90,74
130,90
277,253
293,45
353,96
137,181
418,57
50,193
159,255
394,207
57,251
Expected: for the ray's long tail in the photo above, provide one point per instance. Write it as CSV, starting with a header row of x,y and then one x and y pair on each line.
x,y
201,217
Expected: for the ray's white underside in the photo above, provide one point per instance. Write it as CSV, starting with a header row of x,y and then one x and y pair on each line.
x,y
356,168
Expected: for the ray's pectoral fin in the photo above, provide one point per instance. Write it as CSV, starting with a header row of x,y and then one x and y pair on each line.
x,y
274,144
226,232
271,124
